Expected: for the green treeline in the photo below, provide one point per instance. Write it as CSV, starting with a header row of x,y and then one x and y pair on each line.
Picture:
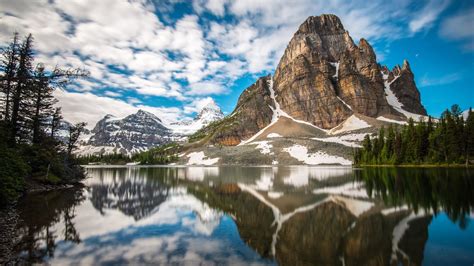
x,y
450,140
163,154
29,122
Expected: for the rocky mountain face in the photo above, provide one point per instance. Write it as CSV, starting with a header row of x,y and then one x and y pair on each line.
x,y
134,133
404,88
323,78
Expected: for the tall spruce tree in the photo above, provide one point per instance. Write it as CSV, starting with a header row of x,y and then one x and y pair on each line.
x,y
41,103
8,67
23,77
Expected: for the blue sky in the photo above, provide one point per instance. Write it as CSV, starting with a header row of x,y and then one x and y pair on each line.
x,y
171,57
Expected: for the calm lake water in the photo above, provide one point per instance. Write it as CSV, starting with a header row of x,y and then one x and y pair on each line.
x,y
254,215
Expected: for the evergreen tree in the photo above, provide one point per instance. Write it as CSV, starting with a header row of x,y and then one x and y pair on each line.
x,y
24,73
450,140
8,66
75,132
41,103
56,121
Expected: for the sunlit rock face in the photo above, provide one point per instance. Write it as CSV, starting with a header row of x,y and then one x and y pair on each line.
x,y
324,77
405,88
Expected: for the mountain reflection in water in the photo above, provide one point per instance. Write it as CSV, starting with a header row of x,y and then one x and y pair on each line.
x,y
261,215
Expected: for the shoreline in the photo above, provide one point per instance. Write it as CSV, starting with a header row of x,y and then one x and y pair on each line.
x,y
9,217
416,165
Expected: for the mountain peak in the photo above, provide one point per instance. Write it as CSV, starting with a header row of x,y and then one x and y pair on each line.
x,y
211,111
144,114
324,24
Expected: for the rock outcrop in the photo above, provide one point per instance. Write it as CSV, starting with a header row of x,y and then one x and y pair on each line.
x,y
404,88
324,77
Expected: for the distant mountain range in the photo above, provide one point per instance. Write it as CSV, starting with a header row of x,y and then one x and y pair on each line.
x,y
141,131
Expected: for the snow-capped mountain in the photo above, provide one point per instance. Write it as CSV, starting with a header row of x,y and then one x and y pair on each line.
x,y
208,114
133,133
141,131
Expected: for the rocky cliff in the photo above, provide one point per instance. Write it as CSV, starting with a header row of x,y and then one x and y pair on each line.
x,y
323,78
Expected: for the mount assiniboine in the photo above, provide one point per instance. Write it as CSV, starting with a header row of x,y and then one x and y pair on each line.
x,y
326,94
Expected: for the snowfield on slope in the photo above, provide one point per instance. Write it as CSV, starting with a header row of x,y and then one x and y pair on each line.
x,y
346,140
301,154
264,146
198,158
393,100
351,123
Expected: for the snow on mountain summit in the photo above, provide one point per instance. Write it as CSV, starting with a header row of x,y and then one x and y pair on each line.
x,y
133,133
208,114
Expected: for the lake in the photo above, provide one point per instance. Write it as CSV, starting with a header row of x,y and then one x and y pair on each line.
x,y
254,215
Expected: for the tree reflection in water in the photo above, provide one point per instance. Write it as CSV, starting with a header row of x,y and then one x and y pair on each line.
x,y
374,216
432,190
40,213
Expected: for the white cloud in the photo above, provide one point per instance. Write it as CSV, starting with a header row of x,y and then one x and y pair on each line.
x,y
459,27
438,81
112,94
205,88
428,14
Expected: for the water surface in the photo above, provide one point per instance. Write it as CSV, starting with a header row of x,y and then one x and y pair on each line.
x,y
260,215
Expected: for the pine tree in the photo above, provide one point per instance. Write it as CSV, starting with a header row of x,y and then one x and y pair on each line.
x,y
56,121
8,66
469,137
41,103
75,132
24,73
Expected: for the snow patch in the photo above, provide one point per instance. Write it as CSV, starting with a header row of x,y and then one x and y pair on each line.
x,y
274,194
382,118
273,135
349,189
198,158
264,146
399,232
301,154
356,207
346,140
336,65
351,123
348,106
394,210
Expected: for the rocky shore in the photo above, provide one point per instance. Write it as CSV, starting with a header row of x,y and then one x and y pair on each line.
x,y
9,218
